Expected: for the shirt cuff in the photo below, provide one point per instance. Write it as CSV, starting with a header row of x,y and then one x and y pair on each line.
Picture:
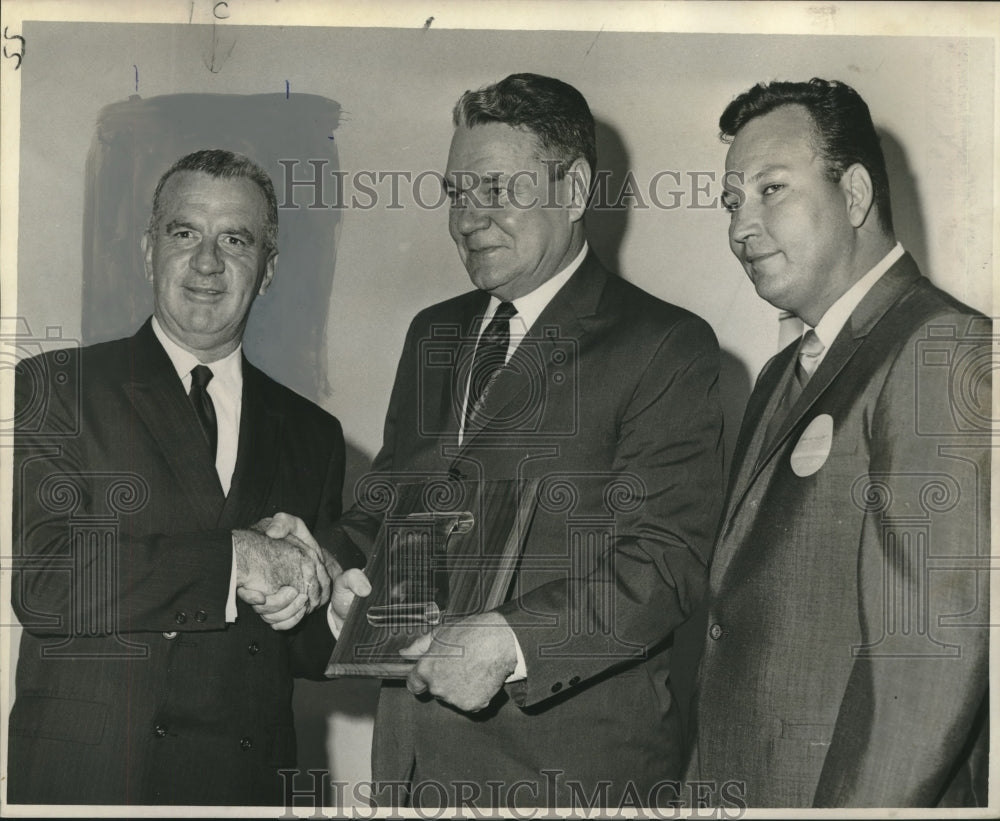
x,y
335,622
231,601
521,670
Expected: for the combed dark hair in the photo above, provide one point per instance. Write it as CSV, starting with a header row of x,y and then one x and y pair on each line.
x,y
552,110
843,128
222,164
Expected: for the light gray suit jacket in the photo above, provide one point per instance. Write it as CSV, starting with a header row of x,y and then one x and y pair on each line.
x,y
846,656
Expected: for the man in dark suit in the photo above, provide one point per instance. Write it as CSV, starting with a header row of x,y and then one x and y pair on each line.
x,y
141,468
846,656
607,396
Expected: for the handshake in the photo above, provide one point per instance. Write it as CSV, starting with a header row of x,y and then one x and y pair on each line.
x,y
283,573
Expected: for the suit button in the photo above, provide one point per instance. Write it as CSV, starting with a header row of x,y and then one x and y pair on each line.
x,y
253,648
246,743
574,681
180,617
715,632
557,687
160,730
455,475
170,636
200,616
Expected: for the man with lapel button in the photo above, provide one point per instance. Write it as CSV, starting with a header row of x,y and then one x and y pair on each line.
x,y
607,396
144,676
846,657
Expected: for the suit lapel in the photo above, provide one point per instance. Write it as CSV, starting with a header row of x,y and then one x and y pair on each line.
x,y
762,404
883,295
157,396
840,353
257,452
564,318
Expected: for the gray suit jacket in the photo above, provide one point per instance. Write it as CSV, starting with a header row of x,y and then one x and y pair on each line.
x,y
846,657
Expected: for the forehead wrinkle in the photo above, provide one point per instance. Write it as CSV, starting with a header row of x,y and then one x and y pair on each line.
x,y
768,169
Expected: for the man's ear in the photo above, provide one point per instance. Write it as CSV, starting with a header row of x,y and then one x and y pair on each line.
x,y
577,188
856,183
269,267
146,244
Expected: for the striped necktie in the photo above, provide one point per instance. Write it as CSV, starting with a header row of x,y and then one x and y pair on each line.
x,y
487,362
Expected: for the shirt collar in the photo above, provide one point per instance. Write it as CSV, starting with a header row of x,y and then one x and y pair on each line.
x,y
836,315
530,306
227,370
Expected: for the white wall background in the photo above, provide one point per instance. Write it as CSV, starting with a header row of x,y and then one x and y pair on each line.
x,y
657,95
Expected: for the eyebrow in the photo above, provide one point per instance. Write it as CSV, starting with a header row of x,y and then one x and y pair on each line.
x,y
173,225
767,169
471,177
243,233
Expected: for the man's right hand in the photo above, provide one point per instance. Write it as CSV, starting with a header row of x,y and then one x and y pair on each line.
x,y
346,588
265,565
286,608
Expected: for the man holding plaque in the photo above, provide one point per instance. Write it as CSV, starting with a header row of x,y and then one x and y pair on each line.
x,y
607,397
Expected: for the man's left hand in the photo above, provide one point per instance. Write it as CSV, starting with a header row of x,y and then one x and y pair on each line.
x,y
464,664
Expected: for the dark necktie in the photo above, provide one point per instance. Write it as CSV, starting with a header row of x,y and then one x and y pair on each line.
x,y
488,360
201,375
810,348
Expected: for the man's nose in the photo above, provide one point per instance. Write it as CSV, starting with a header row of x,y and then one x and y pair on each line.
x,y
744,223
469,217
207,259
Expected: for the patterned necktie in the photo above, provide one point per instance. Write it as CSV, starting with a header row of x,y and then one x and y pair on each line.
x,y
488,360
201,375
809,353
806,360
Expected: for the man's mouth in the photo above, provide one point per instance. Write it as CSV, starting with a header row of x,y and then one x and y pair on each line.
x,y
203,293
481,249
753,259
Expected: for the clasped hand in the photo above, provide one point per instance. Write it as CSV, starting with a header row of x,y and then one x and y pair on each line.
x,y
281,570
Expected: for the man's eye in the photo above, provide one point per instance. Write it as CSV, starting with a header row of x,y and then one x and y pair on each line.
x,y
236,242
181,234
457,198
772,188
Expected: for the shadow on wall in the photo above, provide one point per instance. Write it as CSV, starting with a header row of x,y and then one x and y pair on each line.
x,y
907,215
606,227
137,140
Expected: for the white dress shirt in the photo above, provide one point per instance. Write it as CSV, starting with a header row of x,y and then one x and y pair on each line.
x,y
226,390
836,315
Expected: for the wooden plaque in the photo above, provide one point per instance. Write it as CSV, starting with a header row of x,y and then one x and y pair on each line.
x,y
439,557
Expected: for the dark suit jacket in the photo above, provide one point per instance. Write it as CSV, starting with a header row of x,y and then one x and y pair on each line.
x,y
846,659
131,687
611,400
